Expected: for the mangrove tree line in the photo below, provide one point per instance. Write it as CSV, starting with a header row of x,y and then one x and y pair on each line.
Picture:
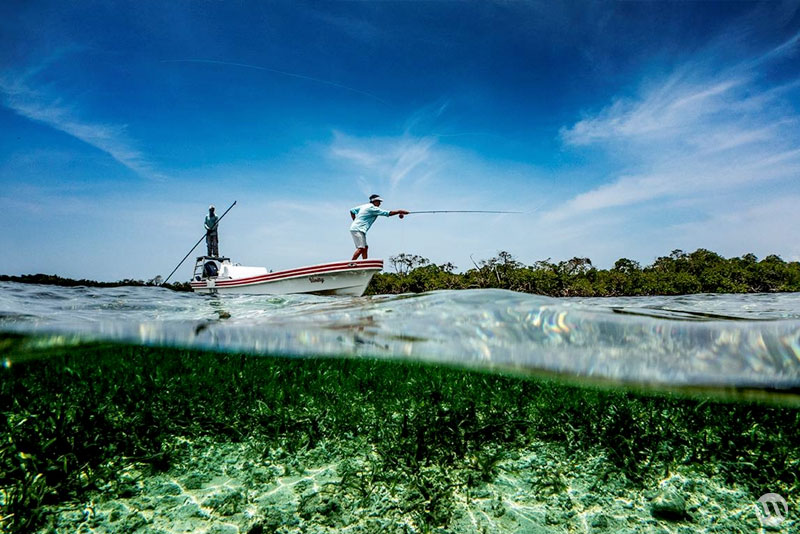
x,y
679,273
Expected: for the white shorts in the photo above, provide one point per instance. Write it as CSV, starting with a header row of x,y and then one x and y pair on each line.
x,y
359,238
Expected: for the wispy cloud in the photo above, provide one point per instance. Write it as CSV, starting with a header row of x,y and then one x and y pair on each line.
x,y
692,133
41,104
673,108
388,161
789,48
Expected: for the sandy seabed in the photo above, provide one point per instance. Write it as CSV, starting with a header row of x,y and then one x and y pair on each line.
x,y
246,488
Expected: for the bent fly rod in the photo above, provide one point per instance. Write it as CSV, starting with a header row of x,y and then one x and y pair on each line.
x,y
198,242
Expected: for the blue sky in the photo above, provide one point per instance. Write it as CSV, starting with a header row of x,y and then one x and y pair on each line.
x,y
622,129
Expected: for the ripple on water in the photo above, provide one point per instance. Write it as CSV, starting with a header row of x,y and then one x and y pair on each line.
x,y
706,340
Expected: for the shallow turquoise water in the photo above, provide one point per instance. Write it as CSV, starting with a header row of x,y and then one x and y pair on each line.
x,y
713,341
349,443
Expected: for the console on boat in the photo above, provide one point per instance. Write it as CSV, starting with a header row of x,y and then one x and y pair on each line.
x,y
218,267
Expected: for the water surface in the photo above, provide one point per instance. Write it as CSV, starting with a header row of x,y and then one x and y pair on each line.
x,y
316,414
727,341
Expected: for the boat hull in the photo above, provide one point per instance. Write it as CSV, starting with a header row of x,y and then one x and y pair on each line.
x,y
348,278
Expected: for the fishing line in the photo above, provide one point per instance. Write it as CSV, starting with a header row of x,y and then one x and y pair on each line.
x,y
276,71
534,210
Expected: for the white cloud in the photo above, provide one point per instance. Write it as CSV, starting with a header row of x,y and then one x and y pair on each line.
x,y
388,161
704,156
41,105
692,133
788,48
661,113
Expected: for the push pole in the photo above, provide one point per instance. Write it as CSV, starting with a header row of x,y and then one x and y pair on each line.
x,y
198,242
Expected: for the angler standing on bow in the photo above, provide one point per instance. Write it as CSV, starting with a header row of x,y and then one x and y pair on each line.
x,y
363,216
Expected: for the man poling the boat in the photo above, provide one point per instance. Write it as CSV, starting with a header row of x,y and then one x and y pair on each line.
x,y
212,237
216,224
363,216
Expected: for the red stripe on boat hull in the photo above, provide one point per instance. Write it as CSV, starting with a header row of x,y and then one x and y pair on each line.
x,y
326,268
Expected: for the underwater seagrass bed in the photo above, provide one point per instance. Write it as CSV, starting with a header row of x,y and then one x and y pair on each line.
x,y
122,438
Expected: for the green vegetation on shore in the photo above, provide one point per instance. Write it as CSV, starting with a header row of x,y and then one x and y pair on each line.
x,y
74,417
680,273
54,280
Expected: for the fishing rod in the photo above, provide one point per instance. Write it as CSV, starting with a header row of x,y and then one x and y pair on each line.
x,y
463,211
198,242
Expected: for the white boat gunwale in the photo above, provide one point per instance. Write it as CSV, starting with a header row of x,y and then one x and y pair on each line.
x,y
301,271
205,283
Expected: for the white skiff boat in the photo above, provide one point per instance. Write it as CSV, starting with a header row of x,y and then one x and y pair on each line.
x,y
219,275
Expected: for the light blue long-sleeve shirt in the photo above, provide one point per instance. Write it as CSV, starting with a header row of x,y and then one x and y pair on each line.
x,y
365,216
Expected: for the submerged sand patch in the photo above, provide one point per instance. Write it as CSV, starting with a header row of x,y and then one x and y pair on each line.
x,y
243,488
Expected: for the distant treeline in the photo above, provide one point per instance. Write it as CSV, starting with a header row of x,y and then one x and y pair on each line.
x,y
701,271
680,273
55,280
